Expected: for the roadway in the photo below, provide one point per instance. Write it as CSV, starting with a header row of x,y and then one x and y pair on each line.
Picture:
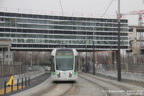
x,y
87,85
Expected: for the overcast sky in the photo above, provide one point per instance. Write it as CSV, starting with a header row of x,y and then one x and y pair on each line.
x,y
95,8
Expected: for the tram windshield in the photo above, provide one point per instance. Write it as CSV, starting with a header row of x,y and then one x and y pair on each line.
x,y
64,60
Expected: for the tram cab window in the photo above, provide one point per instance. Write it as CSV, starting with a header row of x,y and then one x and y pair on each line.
x,y
64,60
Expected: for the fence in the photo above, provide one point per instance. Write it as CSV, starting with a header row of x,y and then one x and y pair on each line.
x,y
135,63
129,63
12,86
7,70
107,62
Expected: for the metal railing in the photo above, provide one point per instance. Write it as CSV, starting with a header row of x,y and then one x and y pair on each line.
x,y
8,70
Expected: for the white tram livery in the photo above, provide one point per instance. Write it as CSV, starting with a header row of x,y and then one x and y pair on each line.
x,y
64,65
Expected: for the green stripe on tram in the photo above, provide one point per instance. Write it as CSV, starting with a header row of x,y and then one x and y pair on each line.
x,y
53,73
74,73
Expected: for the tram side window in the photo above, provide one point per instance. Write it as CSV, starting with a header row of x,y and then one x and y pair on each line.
x,y
76,63
52,64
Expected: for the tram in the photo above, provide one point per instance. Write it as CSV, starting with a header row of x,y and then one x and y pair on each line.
x,y
64,65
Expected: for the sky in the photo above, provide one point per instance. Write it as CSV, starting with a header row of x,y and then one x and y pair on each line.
x,y
85,8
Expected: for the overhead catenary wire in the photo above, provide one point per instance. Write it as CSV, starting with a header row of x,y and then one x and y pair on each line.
x,y
61,7
107,8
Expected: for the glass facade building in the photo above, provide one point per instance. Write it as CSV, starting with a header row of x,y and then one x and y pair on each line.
x,y
45,32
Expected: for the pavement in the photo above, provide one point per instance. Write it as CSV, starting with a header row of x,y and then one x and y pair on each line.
x,y
32,75
36,78
42,86
138,77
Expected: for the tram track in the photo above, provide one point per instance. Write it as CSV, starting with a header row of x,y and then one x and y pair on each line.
x,y
125,88
103,88
67,91
47,89
117,85
51,89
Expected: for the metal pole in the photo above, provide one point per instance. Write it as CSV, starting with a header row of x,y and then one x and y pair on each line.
x,y
29,80
25,57
2,61
31,58
86,60
12,86
5,87
9,55
118,54
22,83
86,57
3,55
25,81
93,56
17,83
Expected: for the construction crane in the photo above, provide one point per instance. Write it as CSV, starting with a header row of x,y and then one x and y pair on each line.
x,y
139,12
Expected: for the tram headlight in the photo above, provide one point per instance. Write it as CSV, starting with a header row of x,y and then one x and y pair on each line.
x,y
58,74
70,74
